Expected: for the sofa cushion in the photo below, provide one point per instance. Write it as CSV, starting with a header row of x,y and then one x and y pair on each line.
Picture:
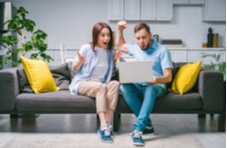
x,y
186,77
171,103
24,85
55,102
60,73
61,76
176,67
39,75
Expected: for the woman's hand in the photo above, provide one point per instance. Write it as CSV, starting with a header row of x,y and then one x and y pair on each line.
x,y
117,54
80,57
80,62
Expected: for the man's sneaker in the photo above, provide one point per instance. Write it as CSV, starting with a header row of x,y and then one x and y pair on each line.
x,y
137,138
110,129
104,135
149,131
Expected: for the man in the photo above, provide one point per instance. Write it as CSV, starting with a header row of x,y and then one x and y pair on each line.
x,y
145,49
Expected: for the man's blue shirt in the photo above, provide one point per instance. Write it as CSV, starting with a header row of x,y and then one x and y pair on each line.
x,y
157,53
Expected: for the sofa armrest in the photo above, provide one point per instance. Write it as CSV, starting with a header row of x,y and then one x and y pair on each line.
x,y
9,89
211,89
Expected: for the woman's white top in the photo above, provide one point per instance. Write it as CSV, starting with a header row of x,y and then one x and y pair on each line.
x,y
101,68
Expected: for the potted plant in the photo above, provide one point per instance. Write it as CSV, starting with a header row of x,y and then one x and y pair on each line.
x,y
216,63
21,27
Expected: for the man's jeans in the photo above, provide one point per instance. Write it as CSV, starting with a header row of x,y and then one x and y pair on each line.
x,y
142,109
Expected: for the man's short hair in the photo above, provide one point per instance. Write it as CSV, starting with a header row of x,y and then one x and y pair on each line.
x,y
140,26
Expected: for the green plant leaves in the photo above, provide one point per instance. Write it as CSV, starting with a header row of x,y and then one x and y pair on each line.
x,y
9,40
28,46
39,35
29,25
37,43
216,64
21,11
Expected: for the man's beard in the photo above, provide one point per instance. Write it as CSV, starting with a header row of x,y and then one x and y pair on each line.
x,y
148,45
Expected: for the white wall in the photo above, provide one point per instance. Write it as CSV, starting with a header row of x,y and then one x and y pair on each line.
x,y
71,22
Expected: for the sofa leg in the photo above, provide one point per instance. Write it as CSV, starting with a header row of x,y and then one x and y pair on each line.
x,y
14,115
221,122
202,115
116,121
97,121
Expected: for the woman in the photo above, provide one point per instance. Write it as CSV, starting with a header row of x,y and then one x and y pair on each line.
x,y
95,66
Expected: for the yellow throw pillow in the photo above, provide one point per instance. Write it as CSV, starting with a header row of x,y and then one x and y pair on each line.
x,y
186,77
39,75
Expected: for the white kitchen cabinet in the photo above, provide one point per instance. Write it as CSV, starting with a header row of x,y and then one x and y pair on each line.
x,y
164,10
178,55
115,9
188,2
214,10
148,9
136,10
156,10
132,9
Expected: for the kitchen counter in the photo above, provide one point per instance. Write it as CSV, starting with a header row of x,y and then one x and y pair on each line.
x,y
199,48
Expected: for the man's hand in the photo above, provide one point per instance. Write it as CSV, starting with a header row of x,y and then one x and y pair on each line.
x,y
153,81
166,78
120,41
122,25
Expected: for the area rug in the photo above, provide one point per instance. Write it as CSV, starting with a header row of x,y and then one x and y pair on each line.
x,y
92,140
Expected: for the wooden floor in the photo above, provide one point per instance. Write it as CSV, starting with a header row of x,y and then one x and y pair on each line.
x,y
205,128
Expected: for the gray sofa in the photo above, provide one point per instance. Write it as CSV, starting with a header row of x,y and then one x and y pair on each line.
x,y
17,97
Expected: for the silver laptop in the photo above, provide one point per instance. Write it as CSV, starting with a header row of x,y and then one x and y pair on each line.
x,y
135,71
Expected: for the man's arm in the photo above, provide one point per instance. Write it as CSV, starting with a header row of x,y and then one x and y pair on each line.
x,y
120,41
166,78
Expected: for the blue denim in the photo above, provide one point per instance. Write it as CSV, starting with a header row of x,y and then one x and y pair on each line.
x,y
141,108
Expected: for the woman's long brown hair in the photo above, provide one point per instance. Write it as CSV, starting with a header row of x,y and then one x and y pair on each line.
x,y
95,33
